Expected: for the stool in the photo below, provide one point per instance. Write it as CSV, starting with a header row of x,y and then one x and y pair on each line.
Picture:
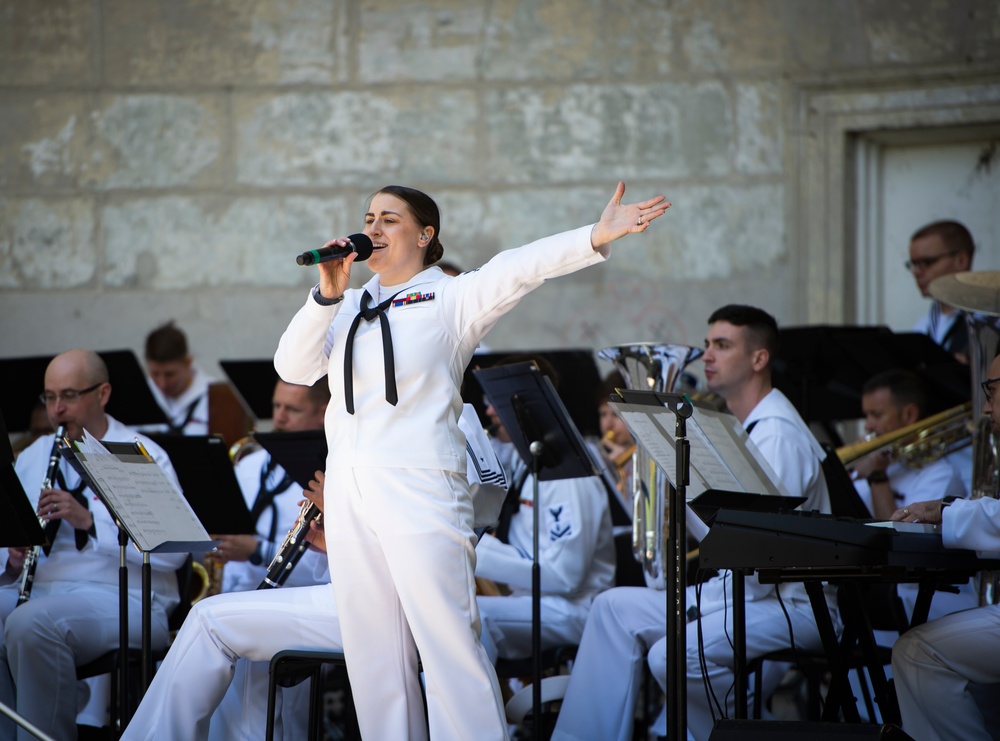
x,y
291,667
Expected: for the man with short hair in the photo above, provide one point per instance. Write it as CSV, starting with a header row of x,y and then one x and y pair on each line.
x,y
890,401
934,664
937,249
72,615
180,387
627,622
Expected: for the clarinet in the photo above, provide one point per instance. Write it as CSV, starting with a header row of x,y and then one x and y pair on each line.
x,y
292,548
31,557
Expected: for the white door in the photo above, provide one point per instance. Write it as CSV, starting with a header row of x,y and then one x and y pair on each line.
x,y
909,179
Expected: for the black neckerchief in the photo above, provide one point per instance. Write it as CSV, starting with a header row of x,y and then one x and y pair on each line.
x,y
368,314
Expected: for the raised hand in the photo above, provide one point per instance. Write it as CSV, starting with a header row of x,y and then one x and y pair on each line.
x,y
620,218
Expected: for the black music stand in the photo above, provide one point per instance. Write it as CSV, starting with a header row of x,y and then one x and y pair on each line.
x,y
131,403
254,382
550,444
822,368
579,382
208,482
131,526
301,453
19,524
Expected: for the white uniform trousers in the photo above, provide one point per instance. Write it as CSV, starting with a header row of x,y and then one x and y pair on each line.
x,y
933,665
242,714
507,624
606,679
62,626
198,668
627,622
400,547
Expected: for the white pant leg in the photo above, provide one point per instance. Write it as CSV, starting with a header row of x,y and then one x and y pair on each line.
x,y
766,631
198,668
607,674
933,665
401,561
242,713
65,625
507,624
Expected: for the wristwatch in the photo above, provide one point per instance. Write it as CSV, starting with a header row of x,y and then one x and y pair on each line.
x,y
877,477
257,557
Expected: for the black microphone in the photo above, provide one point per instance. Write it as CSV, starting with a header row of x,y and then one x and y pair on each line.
x,y
359,243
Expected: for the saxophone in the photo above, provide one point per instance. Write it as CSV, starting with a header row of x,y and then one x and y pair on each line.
x,y
292,547
31,557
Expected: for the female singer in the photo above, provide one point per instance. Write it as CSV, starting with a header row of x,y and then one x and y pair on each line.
x,y
399,514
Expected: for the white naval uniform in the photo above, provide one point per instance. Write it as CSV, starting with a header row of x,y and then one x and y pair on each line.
x,y
177,409
198,668
936,480
627,622
934,663
240,714
204,669
398,506
576,559
72,616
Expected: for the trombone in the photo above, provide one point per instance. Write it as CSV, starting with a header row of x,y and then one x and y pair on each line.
x,y
918,444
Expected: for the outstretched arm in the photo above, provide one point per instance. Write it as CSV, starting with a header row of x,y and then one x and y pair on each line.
x,y
620,218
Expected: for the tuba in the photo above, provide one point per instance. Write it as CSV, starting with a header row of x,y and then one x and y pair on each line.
x,y
977,294
650,367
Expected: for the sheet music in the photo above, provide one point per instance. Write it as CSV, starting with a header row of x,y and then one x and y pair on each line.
x,y
142,498
722,455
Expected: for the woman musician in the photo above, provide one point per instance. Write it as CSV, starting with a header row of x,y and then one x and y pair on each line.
x,y
399,514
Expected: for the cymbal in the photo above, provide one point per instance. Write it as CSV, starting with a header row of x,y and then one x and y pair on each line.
x,y
973,290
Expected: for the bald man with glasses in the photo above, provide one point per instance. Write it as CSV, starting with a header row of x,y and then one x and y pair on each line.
x,y
71,617
941,248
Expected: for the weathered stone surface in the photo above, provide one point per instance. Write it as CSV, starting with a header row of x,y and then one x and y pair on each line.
x,y
174,243
131,141
156,141
759,128
338,139
50,43
545,135
224,42
440,40
553,40
47,244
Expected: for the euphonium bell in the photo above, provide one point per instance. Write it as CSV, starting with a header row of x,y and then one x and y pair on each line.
x,y
650,367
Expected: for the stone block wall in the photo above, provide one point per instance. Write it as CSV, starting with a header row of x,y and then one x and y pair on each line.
x,y
167,159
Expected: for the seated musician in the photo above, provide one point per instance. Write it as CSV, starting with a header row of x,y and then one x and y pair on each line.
x,y
617,445
627,622
937,664
180,387
575,553
273,499
891,401
71,617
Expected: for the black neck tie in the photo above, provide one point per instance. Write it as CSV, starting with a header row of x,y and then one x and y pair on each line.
x,y
52,527
368,314
266,495
511,504
179,428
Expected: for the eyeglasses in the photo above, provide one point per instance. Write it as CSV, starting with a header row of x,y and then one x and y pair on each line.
x,y
925,262
69,395
987,387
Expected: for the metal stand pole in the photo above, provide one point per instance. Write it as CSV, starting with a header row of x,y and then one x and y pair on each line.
x,y
676,581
